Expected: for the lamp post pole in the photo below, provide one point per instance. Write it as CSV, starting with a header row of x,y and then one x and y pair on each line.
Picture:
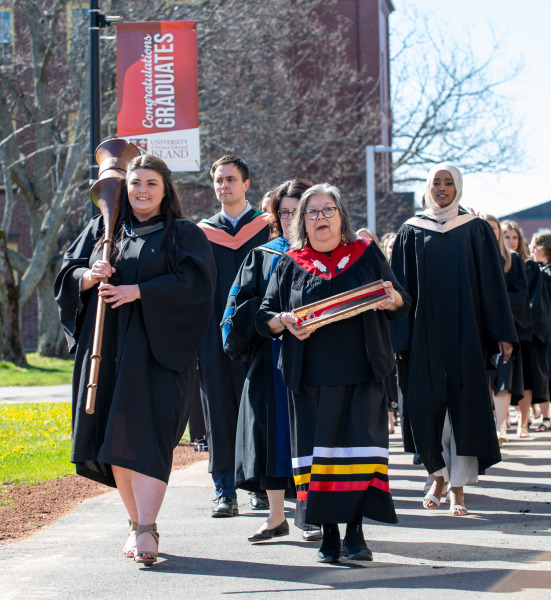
x,y
97,21
95,87
370,187
370,182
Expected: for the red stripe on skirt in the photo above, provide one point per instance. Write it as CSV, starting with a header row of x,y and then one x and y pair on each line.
x,y
347,486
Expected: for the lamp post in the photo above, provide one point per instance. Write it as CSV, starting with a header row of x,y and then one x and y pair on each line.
x,y
95,87
370,181
97,21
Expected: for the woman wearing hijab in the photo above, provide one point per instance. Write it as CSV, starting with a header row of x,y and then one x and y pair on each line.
x,y
448,261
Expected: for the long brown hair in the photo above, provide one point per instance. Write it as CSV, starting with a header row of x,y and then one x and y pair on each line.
x,y
171,208
505,252
522,248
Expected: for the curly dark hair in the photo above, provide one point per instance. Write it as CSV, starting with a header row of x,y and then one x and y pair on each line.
x,y
292,188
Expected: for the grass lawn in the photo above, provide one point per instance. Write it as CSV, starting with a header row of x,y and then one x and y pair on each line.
x,y
41,370
35,442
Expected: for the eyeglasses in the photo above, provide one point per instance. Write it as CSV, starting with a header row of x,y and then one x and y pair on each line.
x,y
286,214
329,211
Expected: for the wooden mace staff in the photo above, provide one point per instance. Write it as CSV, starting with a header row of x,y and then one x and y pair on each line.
x,y
113,157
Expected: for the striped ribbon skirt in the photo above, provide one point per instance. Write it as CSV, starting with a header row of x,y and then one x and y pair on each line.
x,y
339,445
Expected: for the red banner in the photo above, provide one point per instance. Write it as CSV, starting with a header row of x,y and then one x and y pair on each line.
x,y
158,107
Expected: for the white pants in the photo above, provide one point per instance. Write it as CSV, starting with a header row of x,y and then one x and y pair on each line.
x,y
459,470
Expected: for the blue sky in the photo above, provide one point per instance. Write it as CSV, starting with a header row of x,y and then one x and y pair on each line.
x,y
524,31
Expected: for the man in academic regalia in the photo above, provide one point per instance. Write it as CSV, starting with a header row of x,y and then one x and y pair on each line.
x,y
233,233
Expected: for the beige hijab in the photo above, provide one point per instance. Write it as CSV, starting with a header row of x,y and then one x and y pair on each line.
x,y
432,210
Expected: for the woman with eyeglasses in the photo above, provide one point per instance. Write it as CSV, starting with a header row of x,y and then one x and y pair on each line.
x,y
335,375
263,450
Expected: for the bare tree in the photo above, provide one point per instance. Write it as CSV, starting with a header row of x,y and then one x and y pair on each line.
x,y
447,103
276,85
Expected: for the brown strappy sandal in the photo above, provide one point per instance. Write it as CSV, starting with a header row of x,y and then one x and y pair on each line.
x,y
147,557
129,549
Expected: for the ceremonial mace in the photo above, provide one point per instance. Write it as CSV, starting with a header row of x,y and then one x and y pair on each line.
x,y
112,157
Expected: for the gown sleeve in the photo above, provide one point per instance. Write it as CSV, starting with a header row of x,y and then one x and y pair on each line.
x,y
404,266
496,318
387,274
177,309
239,335
272,303
540,305
517,288
67,287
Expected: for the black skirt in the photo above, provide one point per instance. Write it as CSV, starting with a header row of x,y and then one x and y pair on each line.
x,y
535,370
508,377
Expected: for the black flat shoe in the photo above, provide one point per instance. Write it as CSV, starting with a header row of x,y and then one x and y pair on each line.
x,y
330,551
353,545
329,555
358,552
268,534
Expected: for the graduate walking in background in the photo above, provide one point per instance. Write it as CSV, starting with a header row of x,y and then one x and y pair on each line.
x,y
448,261
232,233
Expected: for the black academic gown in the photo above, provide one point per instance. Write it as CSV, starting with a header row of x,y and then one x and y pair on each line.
x,y
534,352
546,272
263,446
149,353
460,311
508,376
222,378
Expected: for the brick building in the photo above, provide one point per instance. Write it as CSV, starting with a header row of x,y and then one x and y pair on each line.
x,y
531,220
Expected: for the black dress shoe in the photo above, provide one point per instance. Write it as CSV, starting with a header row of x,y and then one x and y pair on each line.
x,y
259,502
268,534
226,506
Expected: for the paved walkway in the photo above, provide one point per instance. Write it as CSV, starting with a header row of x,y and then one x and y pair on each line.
x,y
503,547
47,393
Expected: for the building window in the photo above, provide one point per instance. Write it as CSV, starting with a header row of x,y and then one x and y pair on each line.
x,y
6,35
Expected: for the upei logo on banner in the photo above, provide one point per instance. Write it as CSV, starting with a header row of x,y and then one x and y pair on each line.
x,y
140,143
158,106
